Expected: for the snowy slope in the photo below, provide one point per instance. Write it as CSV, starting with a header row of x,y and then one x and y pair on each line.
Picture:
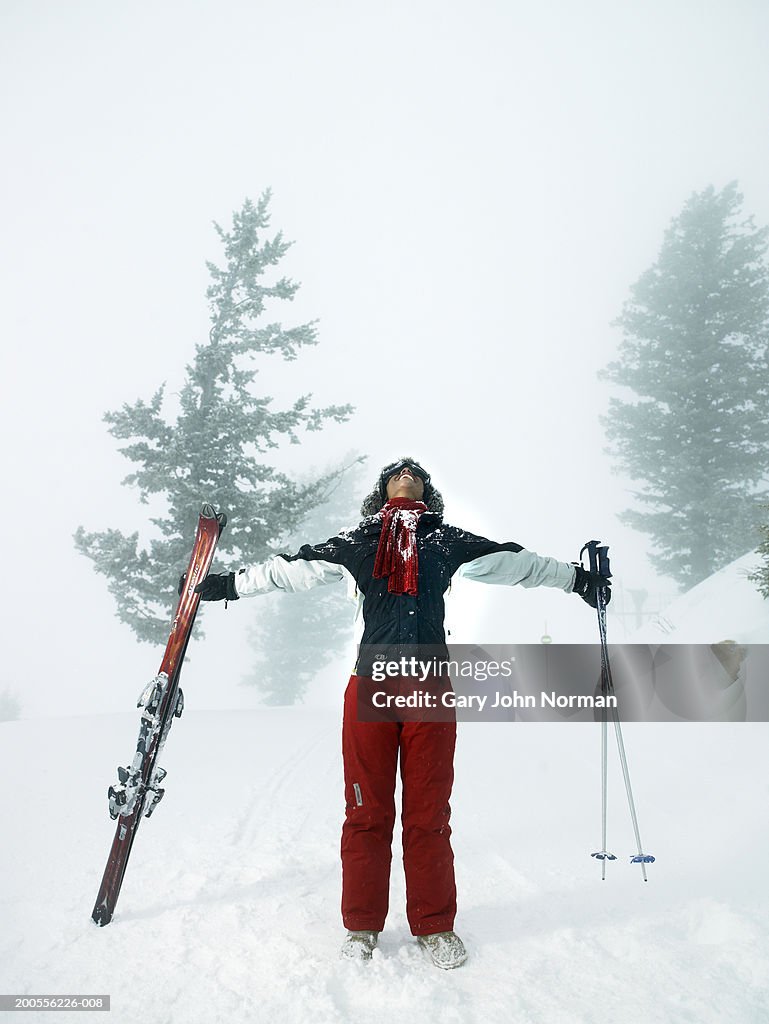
x,y
229,911
725,606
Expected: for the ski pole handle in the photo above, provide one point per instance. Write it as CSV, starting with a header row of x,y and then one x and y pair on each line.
x,y
598,557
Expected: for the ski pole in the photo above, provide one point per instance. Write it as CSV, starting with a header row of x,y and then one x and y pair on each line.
x,y
598,557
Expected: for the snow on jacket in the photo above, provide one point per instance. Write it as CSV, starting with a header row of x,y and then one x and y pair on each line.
x,y
400,619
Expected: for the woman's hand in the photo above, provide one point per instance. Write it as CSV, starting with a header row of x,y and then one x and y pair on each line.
x,y
215,587
587,584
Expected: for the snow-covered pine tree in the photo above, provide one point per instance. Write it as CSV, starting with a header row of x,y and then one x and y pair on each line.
x,y
214,448
761,576
294,636
694,353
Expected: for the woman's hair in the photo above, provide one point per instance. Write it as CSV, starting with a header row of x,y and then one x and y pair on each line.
x,y
374,501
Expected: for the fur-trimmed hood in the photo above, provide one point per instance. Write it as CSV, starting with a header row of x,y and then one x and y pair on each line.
x,y
376,498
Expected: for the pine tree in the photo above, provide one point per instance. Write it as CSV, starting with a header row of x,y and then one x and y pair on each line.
x,y
761,576
213,448
694,353
294,636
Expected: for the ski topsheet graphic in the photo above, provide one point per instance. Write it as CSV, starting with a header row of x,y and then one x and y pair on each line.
x,y
138,790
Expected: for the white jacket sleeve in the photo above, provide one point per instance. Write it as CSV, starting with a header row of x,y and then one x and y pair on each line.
x,y
290,577
507,568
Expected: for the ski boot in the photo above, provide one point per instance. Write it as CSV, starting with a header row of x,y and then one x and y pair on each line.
x,y
445,949
359,946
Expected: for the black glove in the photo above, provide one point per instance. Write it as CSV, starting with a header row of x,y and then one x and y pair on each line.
x,y
215,587
218,587
587,584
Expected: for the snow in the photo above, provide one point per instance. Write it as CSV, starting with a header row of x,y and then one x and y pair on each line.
x,y
230,905
725,606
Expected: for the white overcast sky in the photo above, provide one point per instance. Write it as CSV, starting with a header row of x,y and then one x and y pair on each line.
x,y
471,187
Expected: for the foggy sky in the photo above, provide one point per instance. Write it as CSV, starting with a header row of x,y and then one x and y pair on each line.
x,y
472,189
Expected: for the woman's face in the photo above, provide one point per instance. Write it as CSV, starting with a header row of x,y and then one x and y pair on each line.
x,y
405,484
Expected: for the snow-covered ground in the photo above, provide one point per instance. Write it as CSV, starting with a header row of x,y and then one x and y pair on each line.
x,y
725,606
230,906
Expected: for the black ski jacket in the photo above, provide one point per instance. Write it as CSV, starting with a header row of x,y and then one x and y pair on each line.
x,y
400,620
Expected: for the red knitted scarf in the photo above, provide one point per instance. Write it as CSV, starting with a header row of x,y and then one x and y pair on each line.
x,y
396,556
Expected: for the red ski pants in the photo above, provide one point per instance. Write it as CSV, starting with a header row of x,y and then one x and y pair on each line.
x,y
370,751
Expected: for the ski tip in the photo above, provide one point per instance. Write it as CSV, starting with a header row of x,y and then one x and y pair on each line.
x,y
208,511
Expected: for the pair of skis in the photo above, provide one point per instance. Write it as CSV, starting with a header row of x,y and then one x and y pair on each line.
x,y
138,790
598,560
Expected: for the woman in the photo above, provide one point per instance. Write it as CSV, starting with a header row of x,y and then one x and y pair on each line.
x,y
398,564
